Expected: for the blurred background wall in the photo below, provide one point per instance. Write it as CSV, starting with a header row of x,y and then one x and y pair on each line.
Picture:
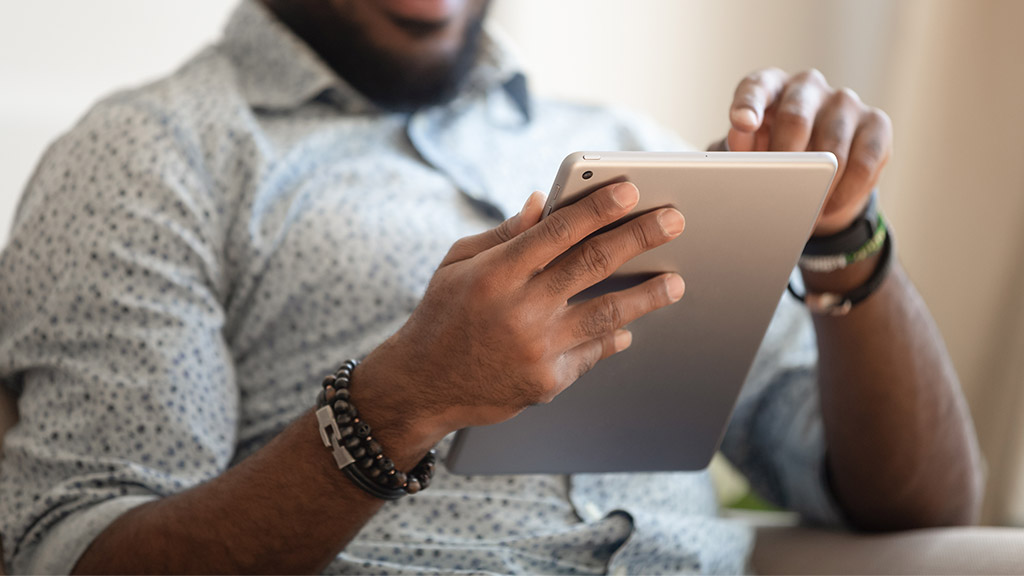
x,y
948,72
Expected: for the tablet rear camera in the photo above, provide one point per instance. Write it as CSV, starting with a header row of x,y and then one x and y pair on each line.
x,y
587,175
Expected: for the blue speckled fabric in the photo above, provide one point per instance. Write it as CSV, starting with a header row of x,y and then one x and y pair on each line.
x,y
192,257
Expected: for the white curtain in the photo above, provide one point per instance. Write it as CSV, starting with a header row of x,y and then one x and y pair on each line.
x,y
950,75
957,193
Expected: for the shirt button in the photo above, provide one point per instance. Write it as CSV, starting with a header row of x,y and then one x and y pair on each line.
x,y
591,513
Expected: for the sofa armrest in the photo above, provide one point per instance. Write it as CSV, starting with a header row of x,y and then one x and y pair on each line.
x,y
966,550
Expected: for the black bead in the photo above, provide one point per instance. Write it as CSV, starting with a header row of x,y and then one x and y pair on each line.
x,y
366,463
401,479
347,432
330,395
343,419
373,448
413,486
321,399
386,464
329,381
341,394
351,443
373,473
341,406
362,430
357,452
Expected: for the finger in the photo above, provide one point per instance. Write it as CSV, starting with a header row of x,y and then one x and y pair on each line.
x,y
869,152
795,111
470,246
753,96
562,229
763,137
598,257
582,358
600,316
834,129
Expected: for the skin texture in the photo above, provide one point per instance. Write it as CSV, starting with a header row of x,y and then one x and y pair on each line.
x,y
902,448
902,451
230,524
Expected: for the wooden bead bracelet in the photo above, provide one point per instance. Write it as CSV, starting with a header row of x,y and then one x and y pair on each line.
x,y
355,450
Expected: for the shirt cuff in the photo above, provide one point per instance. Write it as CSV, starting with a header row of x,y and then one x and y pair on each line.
x,y
59,550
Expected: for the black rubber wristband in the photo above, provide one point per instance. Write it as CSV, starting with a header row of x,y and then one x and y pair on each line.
x,y
852,238
839,304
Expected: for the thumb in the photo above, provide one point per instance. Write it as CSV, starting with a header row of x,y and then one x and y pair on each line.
x,y
470,246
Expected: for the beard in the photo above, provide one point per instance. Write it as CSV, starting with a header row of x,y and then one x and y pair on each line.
x,y
392,79
404,84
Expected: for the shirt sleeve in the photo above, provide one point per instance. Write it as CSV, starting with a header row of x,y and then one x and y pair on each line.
x,y
111,331
776,436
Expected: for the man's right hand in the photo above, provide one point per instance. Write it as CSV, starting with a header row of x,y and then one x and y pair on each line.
x,y
495,332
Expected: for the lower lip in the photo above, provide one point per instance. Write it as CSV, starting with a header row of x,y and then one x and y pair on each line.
x,y
422,10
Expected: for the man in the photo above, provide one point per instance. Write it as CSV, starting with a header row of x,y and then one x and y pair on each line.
x,y
329,182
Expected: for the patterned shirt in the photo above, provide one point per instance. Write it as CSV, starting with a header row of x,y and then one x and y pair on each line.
x,y
192,257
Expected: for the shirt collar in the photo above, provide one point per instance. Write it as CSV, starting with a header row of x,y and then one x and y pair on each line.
x,y
276,70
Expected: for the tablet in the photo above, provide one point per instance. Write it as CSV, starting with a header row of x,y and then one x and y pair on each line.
x,y
664,403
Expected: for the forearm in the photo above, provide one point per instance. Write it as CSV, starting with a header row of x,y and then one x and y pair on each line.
x,y
287,509
902,450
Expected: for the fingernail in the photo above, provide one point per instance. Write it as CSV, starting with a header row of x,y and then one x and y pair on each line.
x,y
674,284
744,117
529,200
623,338
625,194
671,222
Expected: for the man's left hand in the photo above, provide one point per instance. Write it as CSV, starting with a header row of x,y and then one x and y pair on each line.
x,y
773,110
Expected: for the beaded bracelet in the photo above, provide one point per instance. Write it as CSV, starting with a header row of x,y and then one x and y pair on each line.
x,y
355,450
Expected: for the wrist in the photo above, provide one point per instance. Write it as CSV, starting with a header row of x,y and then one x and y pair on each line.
x,y
400,421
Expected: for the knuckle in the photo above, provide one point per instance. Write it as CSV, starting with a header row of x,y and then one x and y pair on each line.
x,y
600,206
611,313
763,75
596,259
504,231
657,296
879,118
604,317
585,365
842,155
642,236
812,76
753,78
558,229
458,248
485,284
838,129
533,350
793,116
859,167
545,386
515,248
846,97
560,281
